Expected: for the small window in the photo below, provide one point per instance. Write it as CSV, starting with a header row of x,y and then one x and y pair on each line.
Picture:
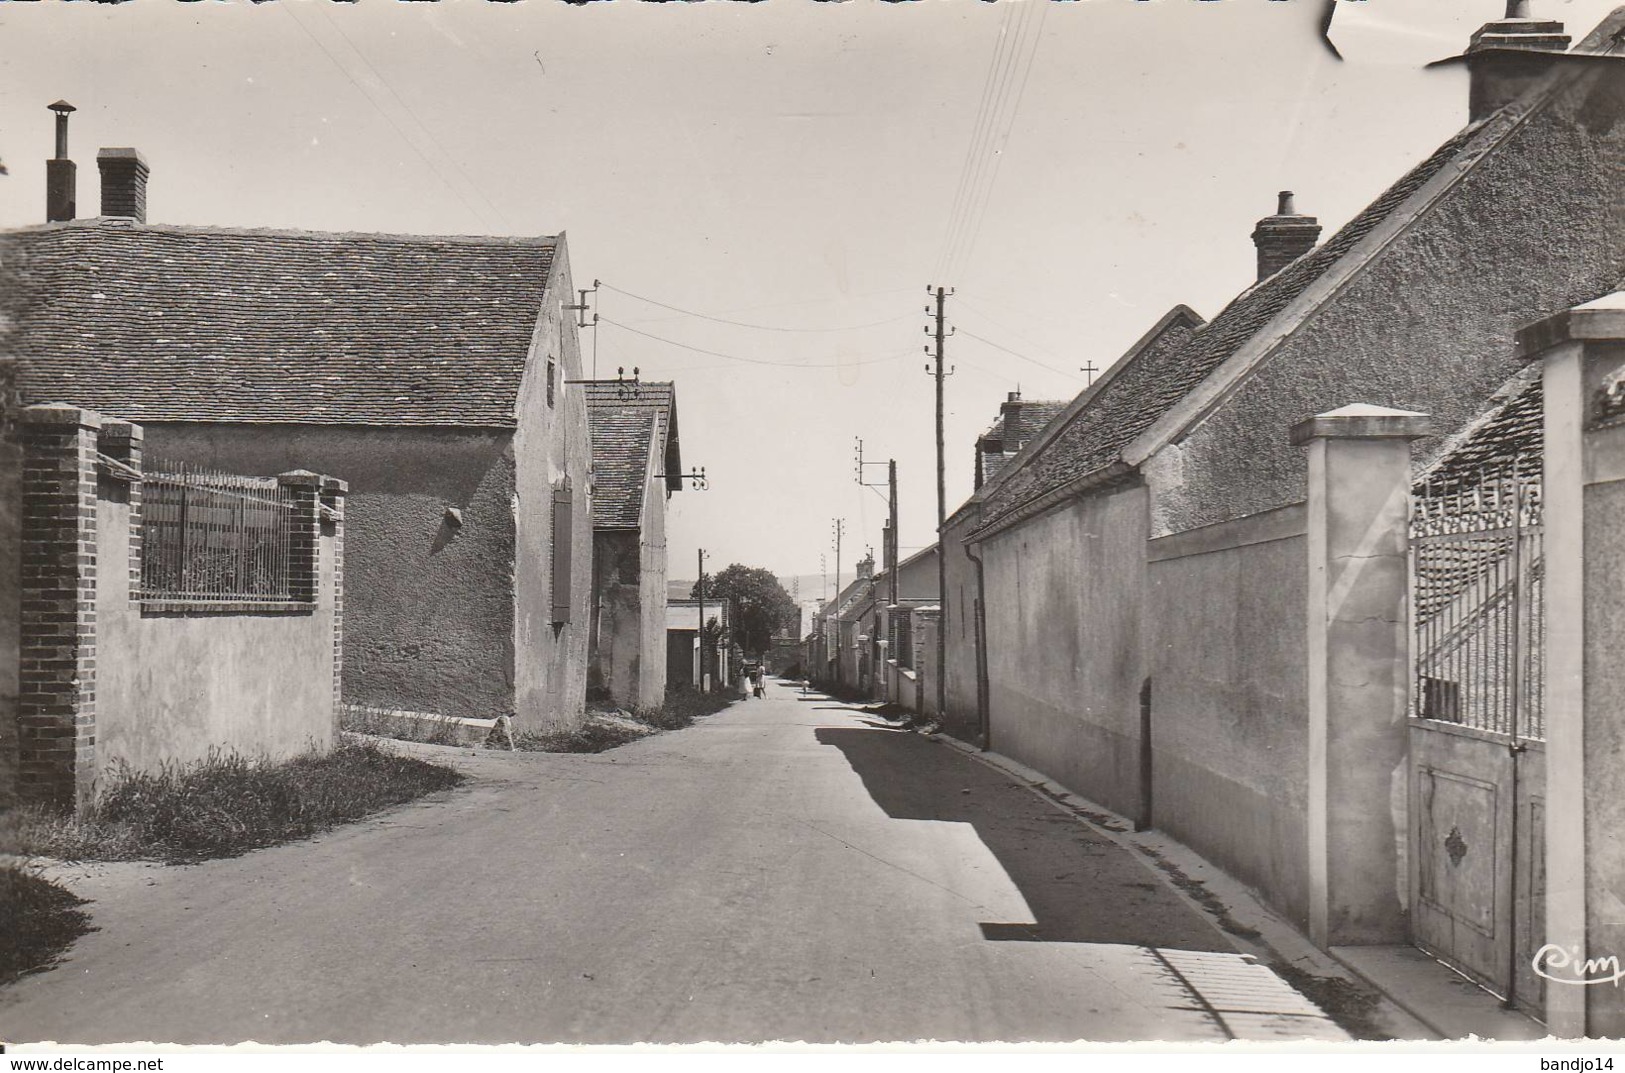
x,y
552,379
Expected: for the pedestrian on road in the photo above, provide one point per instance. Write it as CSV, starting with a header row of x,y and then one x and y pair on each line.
x,y
759,681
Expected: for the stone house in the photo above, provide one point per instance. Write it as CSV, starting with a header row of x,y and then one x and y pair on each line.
x,y
1154,602
637,465
430,372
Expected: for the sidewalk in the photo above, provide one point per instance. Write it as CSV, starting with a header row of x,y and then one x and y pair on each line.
x,y
1395,991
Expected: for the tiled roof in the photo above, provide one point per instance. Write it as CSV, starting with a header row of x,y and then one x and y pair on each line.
x,y
1510,430
626,422
1171,365
160,323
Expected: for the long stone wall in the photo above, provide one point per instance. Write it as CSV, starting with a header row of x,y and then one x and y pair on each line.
x,y
1228,698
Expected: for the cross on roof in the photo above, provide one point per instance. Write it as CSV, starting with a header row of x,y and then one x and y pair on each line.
x,y
1090,371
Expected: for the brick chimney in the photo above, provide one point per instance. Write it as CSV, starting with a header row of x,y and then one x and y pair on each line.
x,y
124,183
1010,422
1284,237
1505,57
61,174
866,566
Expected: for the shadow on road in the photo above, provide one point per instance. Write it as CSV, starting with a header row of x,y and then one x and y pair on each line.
x,y
1080,886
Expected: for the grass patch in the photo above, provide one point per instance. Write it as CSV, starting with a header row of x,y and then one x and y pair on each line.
x,y
601,731
39,920
227,805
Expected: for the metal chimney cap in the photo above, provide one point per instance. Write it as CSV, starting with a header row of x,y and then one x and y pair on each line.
x,y
61,107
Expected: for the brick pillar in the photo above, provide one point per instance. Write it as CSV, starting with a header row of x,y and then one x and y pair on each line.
x,y
1582,351
333,493
304,534
1358,654
56,710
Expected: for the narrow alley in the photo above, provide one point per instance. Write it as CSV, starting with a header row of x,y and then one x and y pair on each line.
x,y
789,869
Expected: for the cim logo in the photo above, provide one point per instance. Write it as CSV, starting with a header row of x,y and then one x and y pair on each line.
x,y
1560,966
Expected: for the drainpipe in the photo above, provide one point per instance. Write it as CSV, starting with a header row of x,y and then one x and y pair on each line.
x,y
984,717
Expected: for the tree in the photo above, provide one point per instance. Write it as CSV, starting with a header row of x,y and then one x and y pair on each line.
x,y
758,606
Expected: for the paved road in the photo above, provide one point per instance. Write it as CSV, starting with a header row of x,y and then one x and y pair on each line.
x,y
787,870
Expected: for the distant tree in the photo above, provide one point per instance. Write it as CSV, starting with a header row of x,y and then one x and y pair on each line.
x,y
758,606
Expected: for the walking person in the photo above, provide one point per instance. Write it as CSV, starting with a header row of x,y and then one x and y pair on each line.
x,y
758,681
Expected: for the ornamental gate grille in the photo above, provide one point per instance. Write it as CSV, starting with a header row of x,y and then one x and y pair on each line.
x,y
1477,735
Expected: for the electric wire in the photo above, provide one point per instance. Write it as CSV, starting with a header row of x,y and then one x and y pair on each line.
x,y
754,361
743,324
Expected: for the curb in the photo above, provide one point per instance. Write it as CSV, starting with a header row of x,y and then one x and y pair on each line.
x,y
1244,921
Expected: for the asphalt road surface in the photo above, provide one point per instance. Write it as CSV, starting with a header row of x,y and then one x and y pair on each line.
x,y
789,869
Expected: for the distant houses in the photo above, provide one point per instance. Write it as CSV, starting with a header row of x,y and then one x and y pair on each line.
x,y
637,465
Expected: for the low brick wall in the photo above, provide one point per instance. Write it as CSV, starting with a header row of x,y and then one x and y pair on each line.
x,y
112,675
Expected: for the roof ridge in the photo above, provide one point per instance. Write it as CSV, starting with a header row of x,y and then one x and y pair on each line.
x,y
125,224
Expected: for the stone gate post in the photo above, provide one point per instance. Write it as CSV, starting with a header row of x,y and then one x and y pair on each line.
x,y
1582,351
1358,667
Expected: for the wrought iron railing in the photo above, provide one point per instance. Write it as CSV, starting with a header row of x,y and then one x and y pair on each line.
x,y
1477,600
207,535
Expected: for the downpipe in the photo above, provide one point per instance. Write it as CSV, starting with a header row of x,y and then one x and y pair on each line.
x,y
984,719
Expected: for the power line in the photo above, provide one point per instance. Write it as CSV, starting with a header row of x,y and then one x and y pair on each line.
x,y
759,327
1016,354
755,361
380,110
407,108
969,246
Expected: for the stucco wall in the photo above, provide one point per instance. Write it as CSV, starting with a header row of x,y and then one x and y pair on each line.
x,y
615,648
1536,227
1065,593
428,606
1226,633
550,446
651,684
171,687
962,718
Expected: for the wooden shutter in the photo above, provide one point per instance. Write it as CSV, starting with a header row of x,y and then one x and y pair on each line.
x,y
563,546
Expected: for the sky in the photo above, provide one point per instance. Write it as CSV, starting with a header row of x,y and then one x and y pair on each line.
x,y
1072,170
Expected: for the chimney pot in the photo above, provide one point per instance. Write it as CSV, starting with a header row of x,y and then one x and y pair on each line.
x,y
1284,237
61,174
124,183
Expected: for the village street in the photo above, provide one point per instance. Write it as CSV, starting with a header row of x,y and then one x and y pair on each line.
x,y
788,869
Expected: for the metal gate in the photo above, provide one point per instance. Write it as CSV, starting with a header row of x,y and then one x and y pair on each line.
x,y
1477,735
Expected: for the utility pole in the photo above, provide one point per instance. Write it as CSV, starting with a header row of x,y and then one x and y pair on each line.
x,y
889,542
839,527
699,638
939,373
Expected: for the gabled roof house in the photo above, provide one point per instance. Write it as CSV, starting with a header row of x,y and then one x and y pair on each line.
x,y
429,371
637,464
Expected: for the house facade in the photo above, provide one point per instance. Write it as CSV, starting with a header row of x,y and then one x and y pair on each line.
x,y
430,372
637,465
1188,597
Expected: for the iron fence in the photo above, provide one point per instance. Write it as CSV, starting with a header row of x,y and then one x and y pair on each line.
x,y
207,535
1477,600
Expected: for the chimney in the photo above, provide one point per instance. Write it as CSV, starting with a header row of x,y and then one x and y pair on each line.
x,y
124,183
1504,58
866,566
1010,415
1284,237
61,174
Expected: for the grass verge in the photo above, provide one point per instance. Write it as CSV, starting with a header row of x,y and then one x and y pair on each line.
x,y
38,922
226,805
602,731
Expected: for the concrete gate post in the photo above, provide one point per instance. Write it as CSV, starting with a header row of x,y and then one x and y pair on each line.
x,y
1582,351
1358,672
